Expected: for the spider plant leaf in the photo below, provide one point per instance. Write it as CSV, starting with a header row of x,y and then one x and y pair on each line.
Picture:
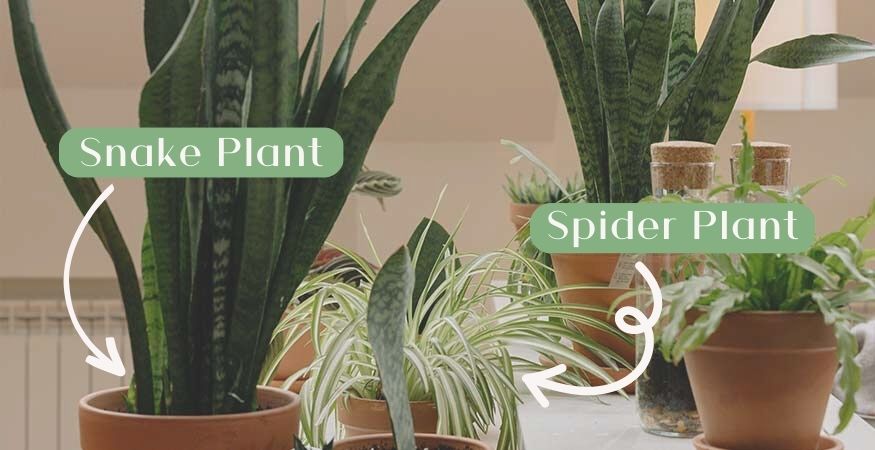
x,y
634,15
817,50
714,98
52,124
162,22
612,64
577,81
648,75
328,98
274,64
387,309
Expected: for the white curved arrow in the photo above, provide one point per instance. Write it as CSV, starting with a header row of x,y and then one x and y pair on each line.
x,y
112,363
541,380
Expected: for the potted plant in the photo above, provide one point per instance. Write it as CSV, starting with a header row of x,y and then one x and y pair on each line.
x,y
768,332
631,73
200,327
457,366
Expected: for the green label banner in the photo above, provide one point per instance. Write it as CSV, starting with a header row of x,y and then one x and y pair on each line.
x,y
201,152
673,228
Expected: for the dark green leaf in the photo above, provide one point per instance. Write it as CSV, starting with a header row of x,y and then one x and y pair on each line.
x,y
387,309
162,22
613,80
634,16
817,50
52,124
274,63
428,245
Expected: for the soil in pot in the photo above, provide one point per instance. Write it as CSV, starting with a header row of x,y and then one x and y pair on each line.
x,y
763,380
103,425
597,270
361,416
423,442
665,399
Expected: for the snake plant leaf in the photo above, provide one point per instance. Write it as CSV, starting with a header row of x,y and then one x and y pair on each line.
x,y
259,252
682,53
328,99
367,99
52,124
817,50
274,58
387,309
634,15
308,96
154,321
228,50
162,22
722,77
763,11
567,51
648,74
428,245
303,61
588,10
612,64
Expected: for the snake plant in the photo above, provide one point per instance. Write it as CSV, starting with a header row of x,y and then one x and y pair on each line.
x,y
631,73
222,257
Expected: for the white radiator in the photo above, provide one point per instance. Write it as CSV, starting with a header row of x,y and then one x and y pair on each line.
x,y
43,374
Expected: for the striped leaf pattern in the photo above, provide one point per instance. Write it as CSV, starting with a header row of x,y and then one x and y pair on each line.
x,y
612,63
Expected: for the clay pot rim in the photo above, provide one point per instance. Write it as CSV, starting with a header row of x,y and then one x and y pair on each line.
x,y
349,395
293,404
825,443
767,313
451,439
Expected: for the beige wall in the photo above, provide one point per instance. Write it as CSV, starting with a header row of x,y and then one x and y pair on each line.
x,y
478,73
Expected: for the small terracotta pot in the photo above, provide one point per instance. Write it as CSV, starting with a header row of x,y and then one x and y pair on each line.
x,y
595,269
825,443
763,379
520,213
102,425
429,441
361,416
300,355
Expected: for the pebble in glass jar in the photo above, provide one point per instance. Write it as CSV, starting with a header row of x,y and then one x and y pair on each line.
x,y
665,400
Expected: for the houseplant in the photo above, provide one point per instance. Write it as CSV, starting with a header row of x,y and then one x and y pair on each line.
x,y
631,73
768,331
457,365
201,326
387,318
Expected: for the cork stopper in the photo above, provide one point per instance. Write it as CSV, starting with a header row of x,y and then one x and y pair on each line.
x,y
679,167
682,152
771,163
765,150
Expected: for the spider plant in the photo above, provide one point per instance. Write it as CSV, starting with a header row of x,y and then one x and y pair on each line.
x,y
631,73
455,354
221,257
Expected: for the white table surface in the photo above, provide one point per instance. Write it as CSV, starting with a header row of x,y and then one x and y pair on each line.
x,y
610,423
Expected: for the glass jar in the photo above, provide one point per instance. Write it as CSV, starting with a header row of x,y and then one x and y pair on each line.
x,y
665,400
771,168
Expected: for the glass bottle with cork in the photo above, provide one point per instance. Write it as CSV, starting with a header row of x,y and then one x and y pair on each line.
x,y
665,400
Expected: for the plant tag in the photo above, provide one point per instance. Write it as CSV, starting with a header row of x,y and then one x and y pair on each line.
x,y
625,271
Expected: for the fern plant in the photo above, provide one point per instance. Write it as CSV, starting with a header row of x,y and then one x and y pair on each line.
x,y
222,257
631,73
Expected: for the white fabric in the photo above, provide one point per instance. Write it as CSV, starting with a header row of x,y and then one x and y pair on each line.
x,y
865,334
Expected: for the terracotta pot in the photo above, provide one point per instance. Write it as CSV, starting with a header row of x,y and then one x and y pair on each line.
x,y
520,213
429,441
299,356
825,443
596,269
361,416
102,425
763,379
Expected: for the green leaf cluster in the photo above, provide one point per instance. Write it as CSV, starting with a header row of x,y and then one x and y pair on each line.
x,y
222,257
631,73
417,330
